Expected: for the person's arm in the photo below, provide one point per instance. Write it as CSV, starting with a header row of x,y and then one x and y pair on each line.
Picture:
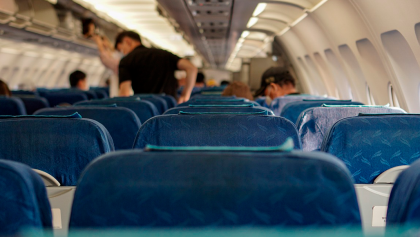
x,y
125,89
191,70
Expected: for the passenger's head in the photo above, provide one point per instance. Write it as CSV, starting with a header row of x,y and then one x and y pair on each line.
x,y
78,80
224,83
126,41
200,80
4,89
276,84
88,27
238,89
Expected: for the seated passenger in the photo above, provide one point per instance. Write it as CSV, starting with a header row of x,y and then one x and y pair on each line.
x,y
4,89
276,82
78,80
238,89
200,81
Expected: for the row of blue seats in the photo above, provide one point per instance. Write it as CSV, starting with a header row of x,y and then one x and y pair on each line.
x,y
29,105
190,189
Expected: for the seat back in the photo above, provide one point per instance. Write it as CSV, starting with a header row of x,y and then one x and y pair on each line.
x,y
143,109
170,100
33,104
215,189
121,123
314,123
372,144
62,147
292,110
216,130
278,103
11,106
404,206
157,101
218,103
57,98
214,110
23,199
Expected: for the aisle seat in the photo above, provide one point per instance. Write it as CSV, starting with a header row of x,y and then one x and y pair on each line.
x,y
216,130
201,189
122,123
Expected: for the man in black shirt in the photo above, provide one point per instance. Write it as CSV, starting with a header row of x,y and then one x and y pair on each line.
x,y
150,70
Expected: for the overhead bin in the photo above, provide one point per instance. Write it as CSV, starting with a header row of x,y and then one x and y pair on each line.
x,y
23,15
45,20
7,9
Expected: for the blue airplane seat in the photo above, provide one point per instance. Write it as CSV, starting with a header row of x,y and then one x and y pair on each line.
x,y
121,123
159,102
213,110
372,144
404,201
199,189
314,123
23,199
260,100
170,100
216,130
61,146
33,104
143,109
11,106
278,103
58,98
24,93
100,94
292,110
214,103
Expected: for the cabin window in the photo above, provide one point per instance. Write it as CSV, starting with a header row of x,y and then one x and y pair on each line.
x,y
393,99
371,100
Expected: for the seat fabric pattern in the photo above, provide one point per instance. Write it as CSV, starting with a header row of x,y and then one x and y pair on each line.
x,y
314,123
204,189
121,123
370,145
292,110
11,106
404,201
23,199
61,147
143,109
216,130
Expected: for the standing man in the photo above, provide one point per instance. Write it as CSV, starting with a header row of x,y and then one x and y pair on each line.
x,y
150,70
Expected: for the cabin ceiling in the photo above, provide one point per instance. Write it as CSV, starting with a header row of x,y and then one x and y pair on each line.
x,y
211,25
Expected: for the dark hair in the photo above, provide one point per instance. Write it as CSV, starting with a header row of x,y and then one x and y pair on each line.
x,y
200,78
224,83
284,78
85,25
75,77
4,89
130,34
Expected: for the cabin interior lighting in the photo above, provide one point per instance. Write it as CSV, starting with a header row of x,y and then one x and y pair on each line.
x,y
52,1
317,5
245,34
282,32
259,9
252,21
143,17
